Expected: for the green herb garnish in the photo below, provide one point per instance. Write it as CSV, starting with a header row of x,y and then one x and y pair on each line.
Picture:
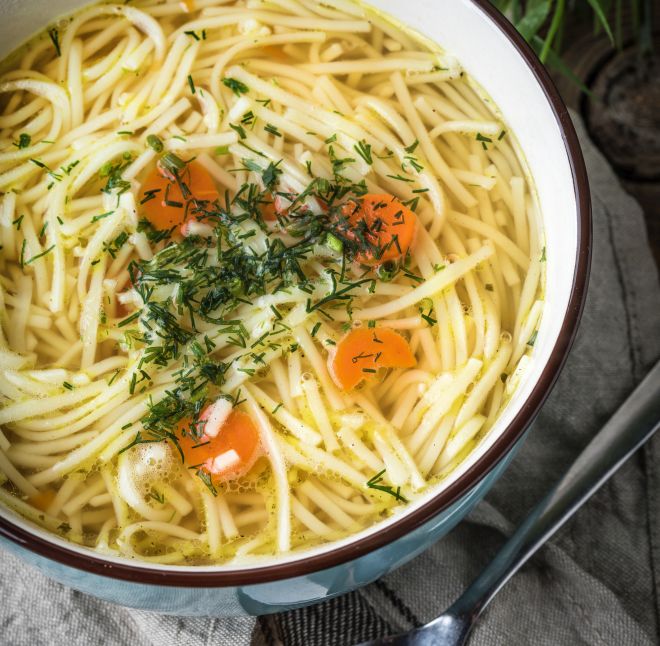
x,y
363,149
235,86
374,483
24,140
155,143
55,39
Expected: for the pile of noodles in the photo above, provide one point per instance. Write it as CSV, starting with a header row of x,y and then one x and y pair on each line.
x,y
89,93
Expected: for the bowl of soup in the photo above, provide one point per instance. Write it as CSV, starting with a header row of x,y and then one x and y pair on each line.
x,y
282,287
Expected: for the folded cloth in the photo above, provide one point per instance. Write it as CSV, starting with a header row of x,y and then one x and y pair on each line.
x,y
596,583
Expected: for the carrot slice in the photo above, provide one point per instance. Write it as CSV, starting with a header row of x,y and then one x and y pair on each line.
x,y
168,206
270,209
387,226
227,455
268,212
364,350
274,206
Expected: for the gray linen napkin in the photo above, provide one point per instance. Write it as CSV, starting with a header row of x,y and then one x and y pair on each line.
x,y
597,583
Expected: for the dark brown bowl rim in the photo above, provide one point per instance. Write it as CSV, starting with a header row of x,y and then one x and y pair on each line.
x,y
440,502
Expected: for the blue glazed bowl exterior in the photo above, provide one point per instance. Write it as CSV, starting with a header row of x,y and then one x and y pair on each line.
x,y
274,596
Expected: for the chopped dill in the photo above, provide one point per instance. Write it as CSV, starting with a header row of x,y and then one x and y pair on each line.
x,y
157,496
56,176
101,216
155,143
67,169
235,86
400,178
39,255
129,319
484,140
412,204
412,161
239,130
206,479
54,36
21,260
272,130
363,149
115,245
375,483
413,146
24,140
219,272
112,172
428,318
249,119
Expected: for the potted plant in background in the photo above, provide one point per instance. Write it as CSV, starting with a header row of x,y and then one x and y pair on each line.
x,y
604,57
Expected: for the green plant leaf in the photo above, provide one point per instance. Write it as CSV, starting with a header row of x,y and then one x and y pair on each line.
x,y
600,11
536,13
554,60
510,8
557,18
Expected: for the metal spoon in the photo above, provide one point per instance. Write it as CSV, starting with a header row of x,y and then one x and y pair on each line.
x,y
630,427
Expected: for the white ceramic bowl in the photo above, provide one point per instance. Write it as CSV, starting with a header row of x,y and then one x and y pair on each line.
x,y
497,58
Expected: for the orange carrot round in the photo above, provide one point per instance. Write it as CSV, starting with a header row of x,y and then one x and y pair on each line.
x,y
272,207
268,212
363,351
387,226
167,208
229,454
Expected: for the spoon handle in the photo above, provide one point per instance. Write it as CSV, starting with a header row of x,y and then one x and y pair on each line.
x,y
632,425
